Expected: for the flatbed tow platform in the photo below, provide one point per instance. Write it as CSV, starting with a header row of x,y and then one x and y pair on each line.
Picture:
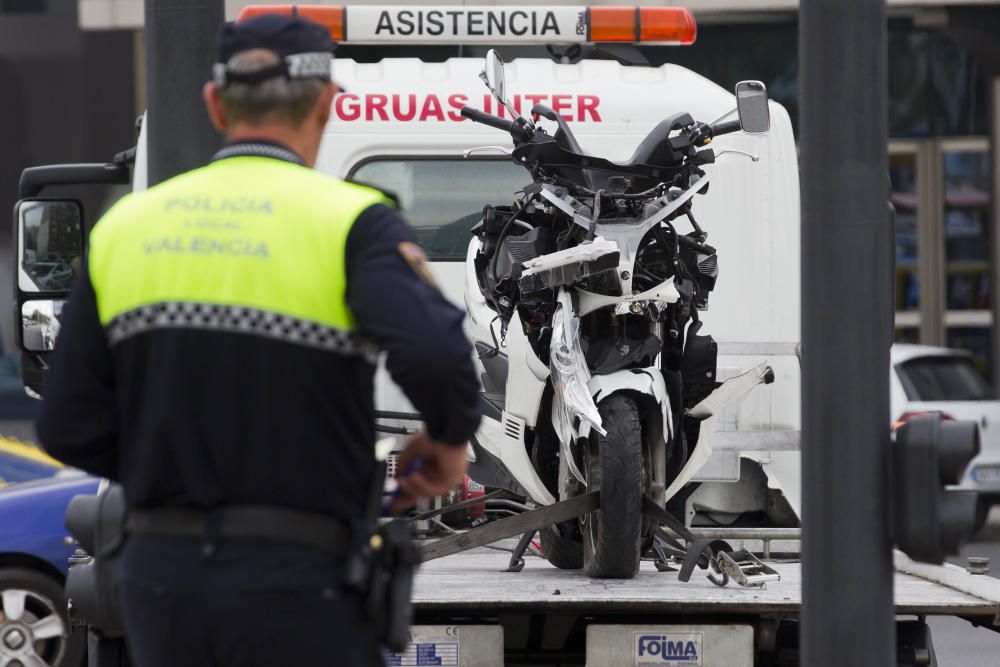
x,y
476,581
546,616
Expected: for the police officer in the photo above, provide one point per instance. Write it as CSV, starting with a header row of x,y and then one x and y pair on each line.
x,y
216,359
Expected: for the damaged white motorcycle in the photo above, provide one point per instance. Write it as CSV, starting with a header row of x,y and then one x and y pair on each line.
x,y
584,294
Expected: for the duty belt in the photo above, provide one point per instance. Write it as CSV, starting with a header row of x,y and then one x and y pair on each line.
x,y
276,524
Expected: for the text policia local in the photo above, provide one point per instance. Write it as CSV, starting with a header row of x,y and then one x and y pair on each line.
x,y
416,107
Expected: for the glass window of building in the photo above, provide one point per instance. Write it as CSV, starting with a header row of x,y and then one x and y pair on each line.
x,y
903,176
967,229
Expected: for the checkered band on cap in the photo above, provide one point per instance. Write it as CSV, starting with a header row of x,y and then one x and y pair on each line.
x,y
234,319
309,65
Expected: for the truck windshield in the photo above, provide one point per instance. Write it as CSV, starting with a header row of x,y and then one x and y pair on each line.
x,y
442,198
944,379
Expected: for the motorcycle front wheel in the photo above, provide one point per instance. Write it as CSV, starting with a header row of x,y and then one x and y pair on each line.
x,y
613,466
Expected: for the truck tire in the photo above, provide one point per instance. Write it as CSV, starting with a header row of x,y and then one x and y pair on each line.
x,y
564,552
612,534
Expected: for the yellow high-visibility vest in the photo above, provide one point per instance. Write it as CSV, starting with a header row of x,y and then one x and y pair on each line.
x,y
246,243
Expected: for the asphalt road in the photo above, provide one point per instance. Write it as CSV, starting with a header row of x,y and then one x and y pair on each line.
x,y
958,643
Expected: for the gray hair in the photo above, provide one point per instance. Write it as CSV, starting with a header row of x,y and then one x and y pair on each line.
x,y
275,100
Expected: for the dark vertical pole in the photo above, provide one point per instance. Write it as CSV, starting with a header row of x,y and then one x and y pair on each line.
x,y
993,86
180,49
847,611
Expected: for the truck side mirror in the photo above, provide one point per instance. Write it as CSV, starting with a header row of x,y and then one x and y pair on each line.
x,y
49,237
751,104
40,320
33,279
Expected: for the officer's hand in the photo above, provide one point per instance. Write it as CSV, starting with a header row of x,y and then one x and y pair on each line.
x,y
427,468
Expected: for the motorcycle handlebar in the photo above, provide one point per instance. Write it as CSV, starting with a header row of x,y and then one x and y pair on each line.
x,y
478,116
693,244
726,128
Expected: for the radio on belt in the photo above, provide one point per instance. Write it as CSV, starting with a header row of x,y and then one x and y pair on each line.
x,y
495,24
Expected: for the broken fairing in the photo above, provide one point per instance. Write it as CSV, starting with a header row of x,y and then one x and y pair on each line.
x,y
585,252
569,266
571,399
705,411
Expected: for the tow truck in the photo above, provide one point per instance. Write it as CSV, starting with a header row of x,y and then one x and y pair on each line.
x,y
397,125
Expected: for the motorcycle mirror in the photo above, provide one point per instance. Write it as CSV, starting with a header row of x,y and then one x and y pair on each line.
x,y
751,104
493,76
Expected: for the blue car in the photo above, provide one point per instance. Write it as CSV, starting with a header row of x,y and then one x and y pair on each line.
x,y
34,548
23,462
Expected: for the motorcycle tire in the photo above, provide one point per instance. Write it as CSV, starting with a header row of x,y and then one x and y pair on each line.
x,y
563,552
613,533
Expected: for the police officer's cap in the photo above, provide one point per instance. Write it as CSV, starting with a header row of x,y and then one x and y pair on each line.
x,y
304,48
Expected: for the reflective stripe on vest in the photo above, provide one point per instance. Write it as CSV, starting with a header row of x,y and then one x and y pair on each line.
x,y
246,244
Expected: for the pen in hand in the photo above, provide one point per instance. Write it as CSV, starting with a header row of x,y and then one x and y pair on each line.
x,y
397,493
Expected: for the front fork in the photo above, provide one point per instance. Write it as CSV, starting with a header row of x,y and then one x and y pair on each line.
x,y
649,389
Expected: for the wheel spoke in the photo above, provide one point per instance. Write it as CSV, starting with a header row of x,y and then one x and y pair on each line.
x,y
47,628
13,603
32,659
